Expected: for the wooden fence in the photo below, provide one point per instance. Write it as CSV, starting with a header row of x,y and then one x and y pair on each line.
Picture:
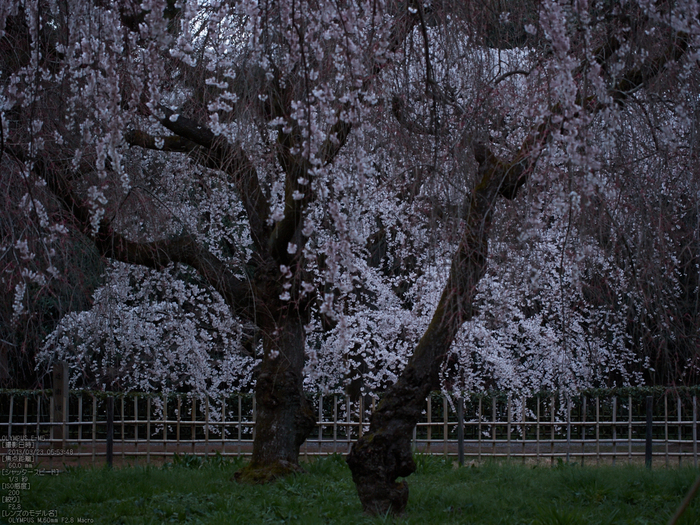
x,y
42,429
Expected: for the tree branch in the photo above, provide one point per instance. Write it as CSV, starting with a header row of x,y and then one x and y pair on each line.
x,y
398,109
636,78
171,143
296,168
217,153
156,254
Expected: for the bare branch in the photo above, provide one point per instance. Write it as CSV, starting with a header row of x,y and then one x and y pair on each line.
x,y
157,254
508,74
215,153
171,143
636,78
398,108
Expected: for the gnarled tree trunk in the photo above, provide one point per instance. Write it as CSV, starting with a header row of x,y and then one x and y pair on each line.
x,y
284,416
384,454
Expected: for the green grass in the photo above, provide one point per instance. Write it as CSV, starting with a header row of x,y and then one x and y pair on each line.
x,y
193,491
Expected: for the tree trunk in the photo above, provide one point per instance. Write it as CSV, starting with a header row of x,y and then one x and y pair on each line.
x,y
284,416
384,454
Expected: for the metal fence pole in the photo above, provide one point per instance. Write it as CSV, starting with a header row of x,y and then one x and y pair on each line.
x,y
614,429
568,430
460,430
110,431
695,431
650,415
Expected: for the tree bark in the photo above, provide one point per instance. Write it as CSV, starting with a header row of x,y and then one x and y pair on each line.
x,y
384,454
284,415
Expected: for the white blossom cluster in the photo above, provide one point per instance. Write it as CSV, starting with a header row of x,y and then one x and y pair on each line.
x,y
152,332
385,212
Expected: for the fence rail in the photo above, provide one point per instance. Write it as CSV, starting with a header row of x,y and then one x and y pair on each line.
x,y
77,428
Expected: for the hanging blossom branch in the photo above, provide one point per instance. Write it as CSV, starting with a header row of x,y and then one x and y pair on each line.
x,y
384,454
215,153
158,254
298,168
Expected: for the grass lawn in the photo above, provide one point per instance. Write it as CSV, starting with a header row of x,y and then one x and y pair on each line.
x,y
193,491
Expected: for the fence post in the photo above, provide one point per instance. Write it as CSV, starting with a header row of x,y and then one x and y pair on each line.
x,y
94,427
509,425
568,430
361,410
479,428
583,431
597,430
680,431
551,428
430,421
695,431
240,423
614,429
165,426
460,430
60,401
136,424
335,423
537,432
110,431
445,429
523,409
493,424
629,429
123,426
223,427
148,430
206,426
320,422
666,428
650,415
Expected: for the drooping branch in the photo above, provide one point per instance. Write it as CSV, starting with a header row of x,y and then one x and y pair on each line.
x,y
215,153
636,78
297,169
183,249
